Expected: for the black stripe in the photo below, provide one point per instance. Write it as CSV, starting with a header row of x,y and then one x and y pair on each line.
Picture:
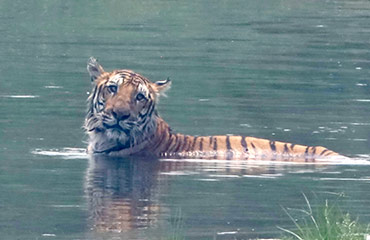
x,y
244,144
142,115
151,108
95,98
286,149
201,144
329,153
228,144
254,147
92,104
179,145
313,151
306,154
100,93
94,93
306,151
185,143
273,146
175,142
215,147
273,149
190,144
126,75
169,141
286,154
193,145
322,153
229,153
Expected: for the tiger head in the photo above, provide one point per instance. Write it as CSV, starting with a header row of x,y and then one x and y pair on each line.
x,y
121,108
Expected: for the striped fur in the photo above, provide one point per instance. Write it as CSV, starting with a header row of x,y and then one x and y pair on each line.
x,y
122,120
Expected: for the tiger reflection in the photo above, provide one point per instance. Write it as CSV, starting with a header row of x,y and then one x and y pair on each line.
x,y
121,193
124,194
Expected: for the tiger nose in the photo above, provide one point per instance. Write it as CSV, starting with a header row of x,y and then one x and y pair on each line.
x,y
121,114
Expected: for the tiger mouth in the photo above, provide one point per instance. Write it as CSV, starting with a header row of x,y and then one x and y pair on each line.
x,y
118,127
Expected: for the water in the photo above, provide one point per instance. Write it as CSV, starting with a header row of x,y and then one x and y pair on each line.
x,y
283,70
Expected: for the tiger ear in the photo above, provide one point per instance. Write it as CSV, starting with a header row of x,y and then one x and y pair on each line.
x,y
94,68
162,86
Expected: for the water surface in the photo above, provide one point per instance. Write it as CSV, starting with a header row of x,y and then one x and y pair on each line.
x,y
283,70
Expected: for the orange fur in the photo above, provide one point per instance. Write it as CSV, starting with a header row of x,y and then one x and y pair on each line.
x,y
122,120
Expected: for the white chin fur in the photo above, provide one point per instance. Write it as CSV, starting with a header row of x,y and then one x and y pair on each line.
x,y
116,135
101,141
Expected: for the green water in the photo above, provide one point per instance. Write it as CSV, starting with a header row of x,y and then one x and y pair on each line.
x,y
295,71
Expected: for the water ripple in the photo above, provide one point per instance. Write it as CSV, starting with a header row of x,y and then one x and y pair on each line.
x,y
66,153
19,96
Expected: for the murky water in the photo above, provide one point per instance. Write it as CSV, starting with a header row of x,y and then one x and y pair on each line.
x,y
283,70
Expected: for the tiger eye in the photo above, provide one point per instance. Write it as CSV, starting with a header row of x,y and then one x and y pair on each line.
x,y
112,89
140,97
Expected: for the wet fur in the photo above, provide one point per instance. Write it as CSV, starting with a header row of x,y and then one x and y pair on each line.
x,y
122,120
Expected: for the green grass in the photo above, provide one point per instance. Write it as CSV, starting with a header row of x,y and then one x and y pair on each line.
x,y
325,223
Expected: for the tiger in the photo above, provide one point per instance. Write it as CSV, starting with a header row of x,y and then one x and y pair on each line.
x,y
122,120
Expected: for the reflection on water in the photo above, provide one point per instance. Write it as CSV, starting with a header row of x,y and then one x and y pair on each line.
x,y
127,198
126,195
122,193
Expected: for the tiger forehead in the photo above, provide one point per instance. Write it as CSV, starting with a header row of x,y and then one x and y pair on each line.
x,y
127,76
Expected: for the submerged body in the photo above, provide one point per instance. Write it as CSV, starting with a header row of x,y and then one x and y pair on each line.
x,y
122,120
165,143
